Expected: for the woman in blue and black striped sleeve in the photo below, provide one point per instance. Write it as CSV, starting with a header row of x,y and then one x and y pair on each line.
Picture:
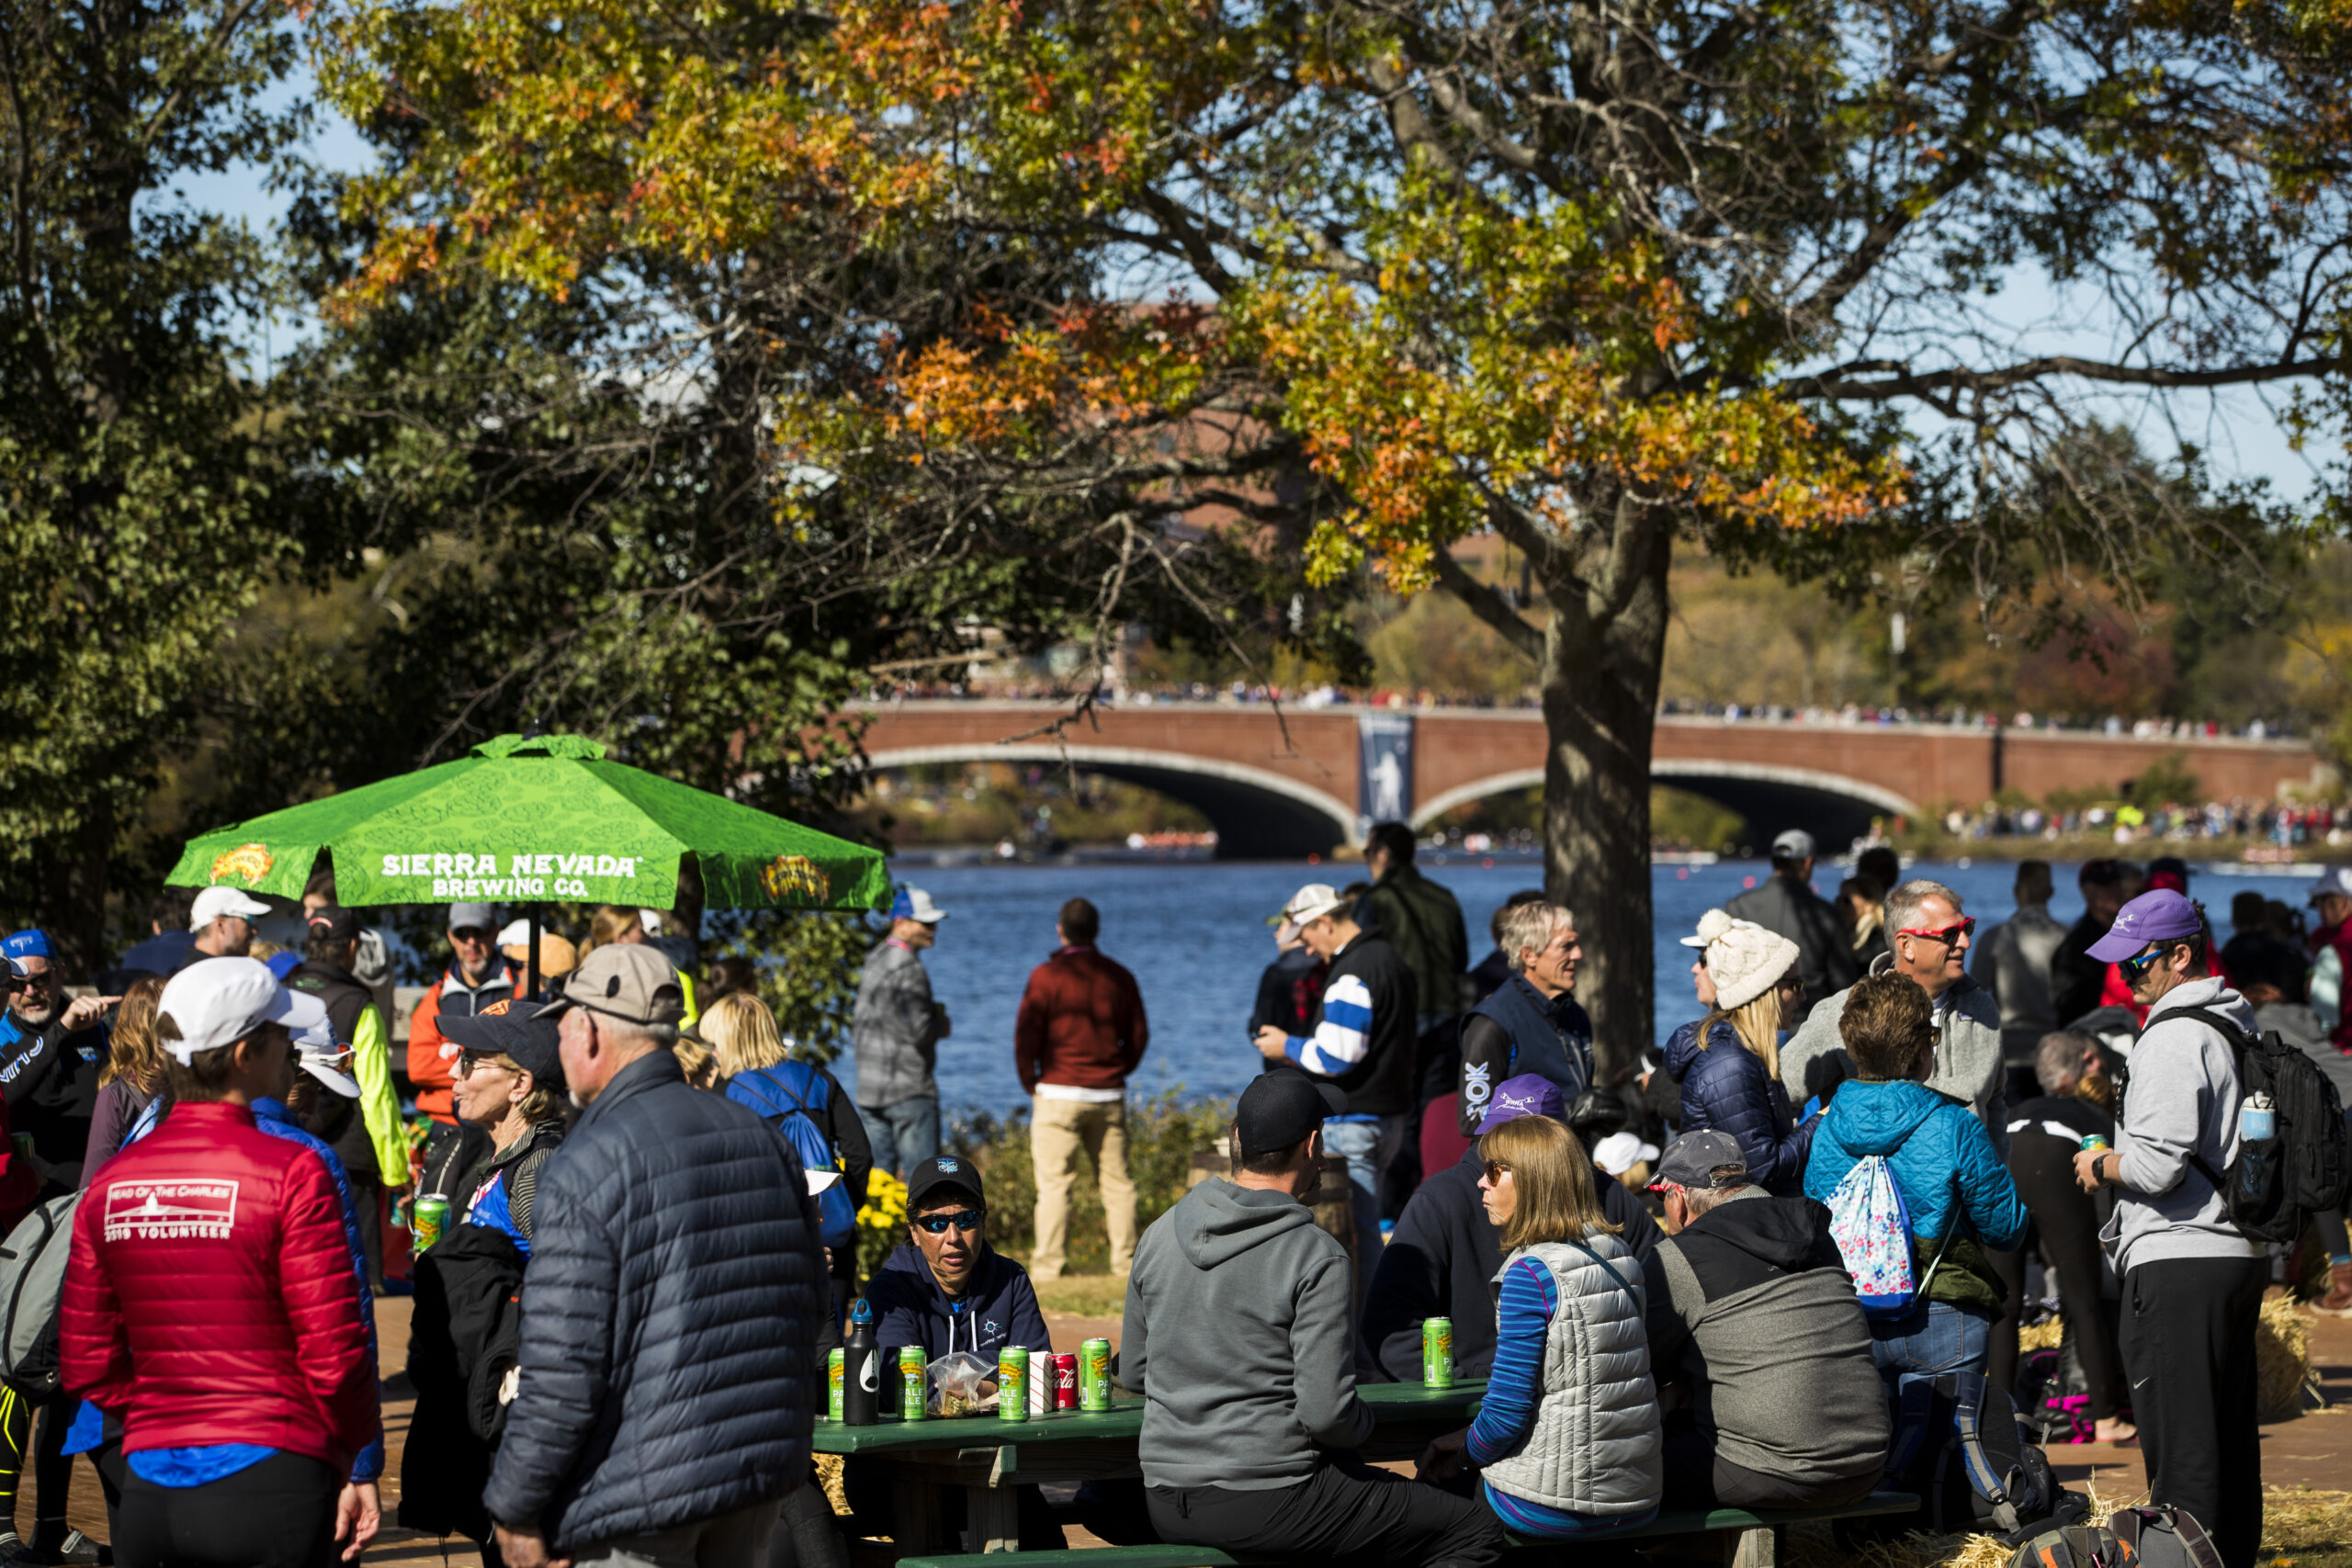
x,y
1567,1441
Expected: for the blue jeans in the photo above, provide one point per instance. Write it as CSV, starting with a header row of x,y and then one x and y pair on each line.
x,y
1934,1337
904,1134
1368,1146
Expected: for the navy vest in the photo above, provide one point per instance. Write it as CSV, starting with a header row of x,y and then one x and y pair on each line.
x,y
1552,1040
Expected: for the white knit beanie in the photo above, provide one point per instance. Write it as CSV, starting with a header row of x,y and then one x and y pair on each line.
x,y
1745,961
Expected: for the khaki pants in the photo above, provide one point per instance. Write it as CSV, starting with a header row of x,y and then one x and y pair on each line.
x,y
1057,1128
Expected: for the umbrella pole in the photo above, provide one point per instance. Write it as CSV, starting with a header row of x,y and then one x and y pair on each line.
x,y
531,987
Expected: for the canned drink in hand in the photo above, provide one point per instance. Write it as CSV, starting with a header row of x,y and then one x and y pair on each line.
x,y
913,1365
1094,1375
1437,1352
2095,1143
427,1219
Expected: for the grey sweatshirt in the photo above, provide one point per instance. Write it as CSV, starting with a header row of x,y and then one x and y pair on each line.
x,y
2182,1095
1239,1335
1968,1053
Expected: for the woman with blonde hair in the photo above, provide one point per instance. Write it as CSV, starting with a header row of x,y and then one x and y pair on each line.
x,y
757,1063
613,923
1567,1441
1729,1063
132,1076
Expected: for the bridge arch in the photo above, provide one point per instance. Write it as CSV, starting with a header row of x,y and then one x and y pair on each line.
x,y
1258,814
1834,808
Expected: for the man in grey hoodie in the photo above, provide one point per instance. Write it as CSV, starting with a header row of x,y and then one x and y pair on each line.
x,y
2192,1283
1240,1337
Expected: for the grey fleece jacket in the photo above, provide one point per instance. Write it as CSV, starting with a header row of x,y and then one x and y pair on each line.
x,y
2182,1097
1240,1337
1968,1054
895,1028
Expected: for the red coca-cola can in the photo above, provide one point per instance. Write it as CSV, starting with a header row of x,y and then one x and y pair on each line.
x,y
1065,1383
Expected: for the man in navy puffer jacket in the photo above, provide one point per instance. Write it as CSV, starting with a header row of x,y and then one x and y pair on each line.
x,y
670,1311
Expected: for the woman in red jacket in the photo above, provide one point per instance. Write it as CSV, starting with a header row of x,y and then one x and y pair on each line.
x,y
210,1304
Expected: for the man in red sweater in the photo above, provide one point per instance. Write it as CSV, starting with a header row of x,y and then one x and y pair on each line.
x,y
211,1304
1080,1033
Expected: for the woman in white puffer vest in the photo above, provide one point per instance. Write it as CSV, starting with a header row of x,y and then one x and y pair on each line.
x,y
1567,1440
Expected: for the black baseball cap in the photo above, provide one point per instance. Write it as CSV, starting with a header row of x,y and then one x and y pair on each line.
x,y
334,922
1280,1108
1692,1159
527,1033
943,1170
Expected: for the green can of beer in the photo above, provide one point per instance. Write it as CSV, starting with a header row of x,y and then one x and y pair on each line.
x,y
836,1364
427,1219
1012,1383
1094,1375
912,1393
1437,1352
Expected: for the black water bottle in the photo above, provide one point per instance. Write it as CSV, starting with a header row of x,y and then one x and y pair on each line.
x,y
861,1368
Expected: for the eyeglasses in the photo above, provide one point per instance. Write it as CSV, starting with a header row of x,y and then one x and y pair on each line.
x,y
1496,1171
468,1063
962,1219
1948,936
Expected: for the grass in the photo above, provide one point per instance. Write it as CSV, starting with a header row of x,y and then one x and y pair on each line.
x,y
1083,1295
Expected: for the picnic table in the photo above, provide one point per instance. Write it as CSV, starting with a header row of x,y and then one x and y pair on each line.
x,y
987,1458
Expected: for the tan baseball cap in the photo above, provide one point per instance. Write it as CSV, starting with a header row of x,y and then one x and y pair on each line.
x,y
625,980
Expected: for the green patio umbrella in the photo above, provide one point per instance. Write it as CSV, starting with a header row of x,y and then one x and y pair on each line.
x,y
527,820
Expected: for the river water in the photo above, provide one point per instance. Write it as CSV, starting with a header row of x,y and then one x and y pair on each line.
x,y
1193,933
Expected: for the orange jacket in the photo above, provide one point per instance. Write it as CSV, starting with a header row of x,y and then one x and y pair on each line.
x,y
428,1071
1080,1023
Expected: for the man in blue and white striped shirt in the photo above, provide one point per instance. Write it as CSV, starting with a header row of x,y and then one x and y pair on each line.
x,y
1360,1041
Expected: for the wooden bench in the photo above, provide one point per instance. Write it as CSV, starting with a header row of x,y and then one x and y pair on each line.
x,y
1751,1539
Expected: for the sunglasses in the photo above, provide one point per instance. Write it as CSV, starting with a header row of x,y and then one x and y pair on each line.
x,y
2135,968
468,1063
1496,1171
962,1219
1949,935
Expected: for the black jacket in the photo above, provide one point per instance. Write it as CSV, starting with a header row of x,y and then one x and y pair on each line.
x,y
341,1125
49,1080
467,1310
1367,971
1824,953
2075,977
1441,1261
1286,993
670,1315
1516,1029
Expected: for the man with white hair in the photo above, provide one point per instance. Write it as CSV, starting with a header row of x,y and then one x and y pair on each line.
x,y
1532,1022
1928,941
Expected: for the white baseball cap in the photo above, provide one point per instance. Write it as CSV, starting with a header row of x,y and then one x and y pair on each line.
x,y
215,902
914,904
1794,843
317,1050
2336,882
1311,903
219,1001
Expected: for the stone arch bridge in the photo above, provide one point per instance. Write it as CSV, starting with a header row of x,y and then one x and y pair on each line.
x,y
1308,780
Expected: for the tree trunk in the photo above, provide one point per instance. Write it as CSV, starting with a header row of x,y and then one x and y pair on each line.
x,y
72,891
1600,680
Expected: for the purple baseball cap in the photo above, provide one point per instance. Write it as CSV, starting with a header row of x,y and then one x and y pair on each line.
x,y
1530,1094
2161,915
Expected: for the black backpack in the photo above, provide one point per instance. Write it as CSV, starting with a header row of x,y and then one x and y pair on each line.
x,y
2305,1168
2076,1546
1958,1444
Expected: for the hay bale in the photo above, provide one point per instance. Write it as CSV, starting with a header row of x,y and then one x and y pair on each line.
x,y
829,1475
2282,1360
2042,1336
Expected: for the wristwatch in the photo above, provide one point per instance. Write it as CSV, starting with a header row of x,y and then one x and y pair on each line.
x,y
2105,1155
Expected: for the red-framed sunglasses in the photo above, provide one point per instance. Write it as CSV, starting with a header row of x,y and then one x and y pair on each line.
x,y
1948,935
